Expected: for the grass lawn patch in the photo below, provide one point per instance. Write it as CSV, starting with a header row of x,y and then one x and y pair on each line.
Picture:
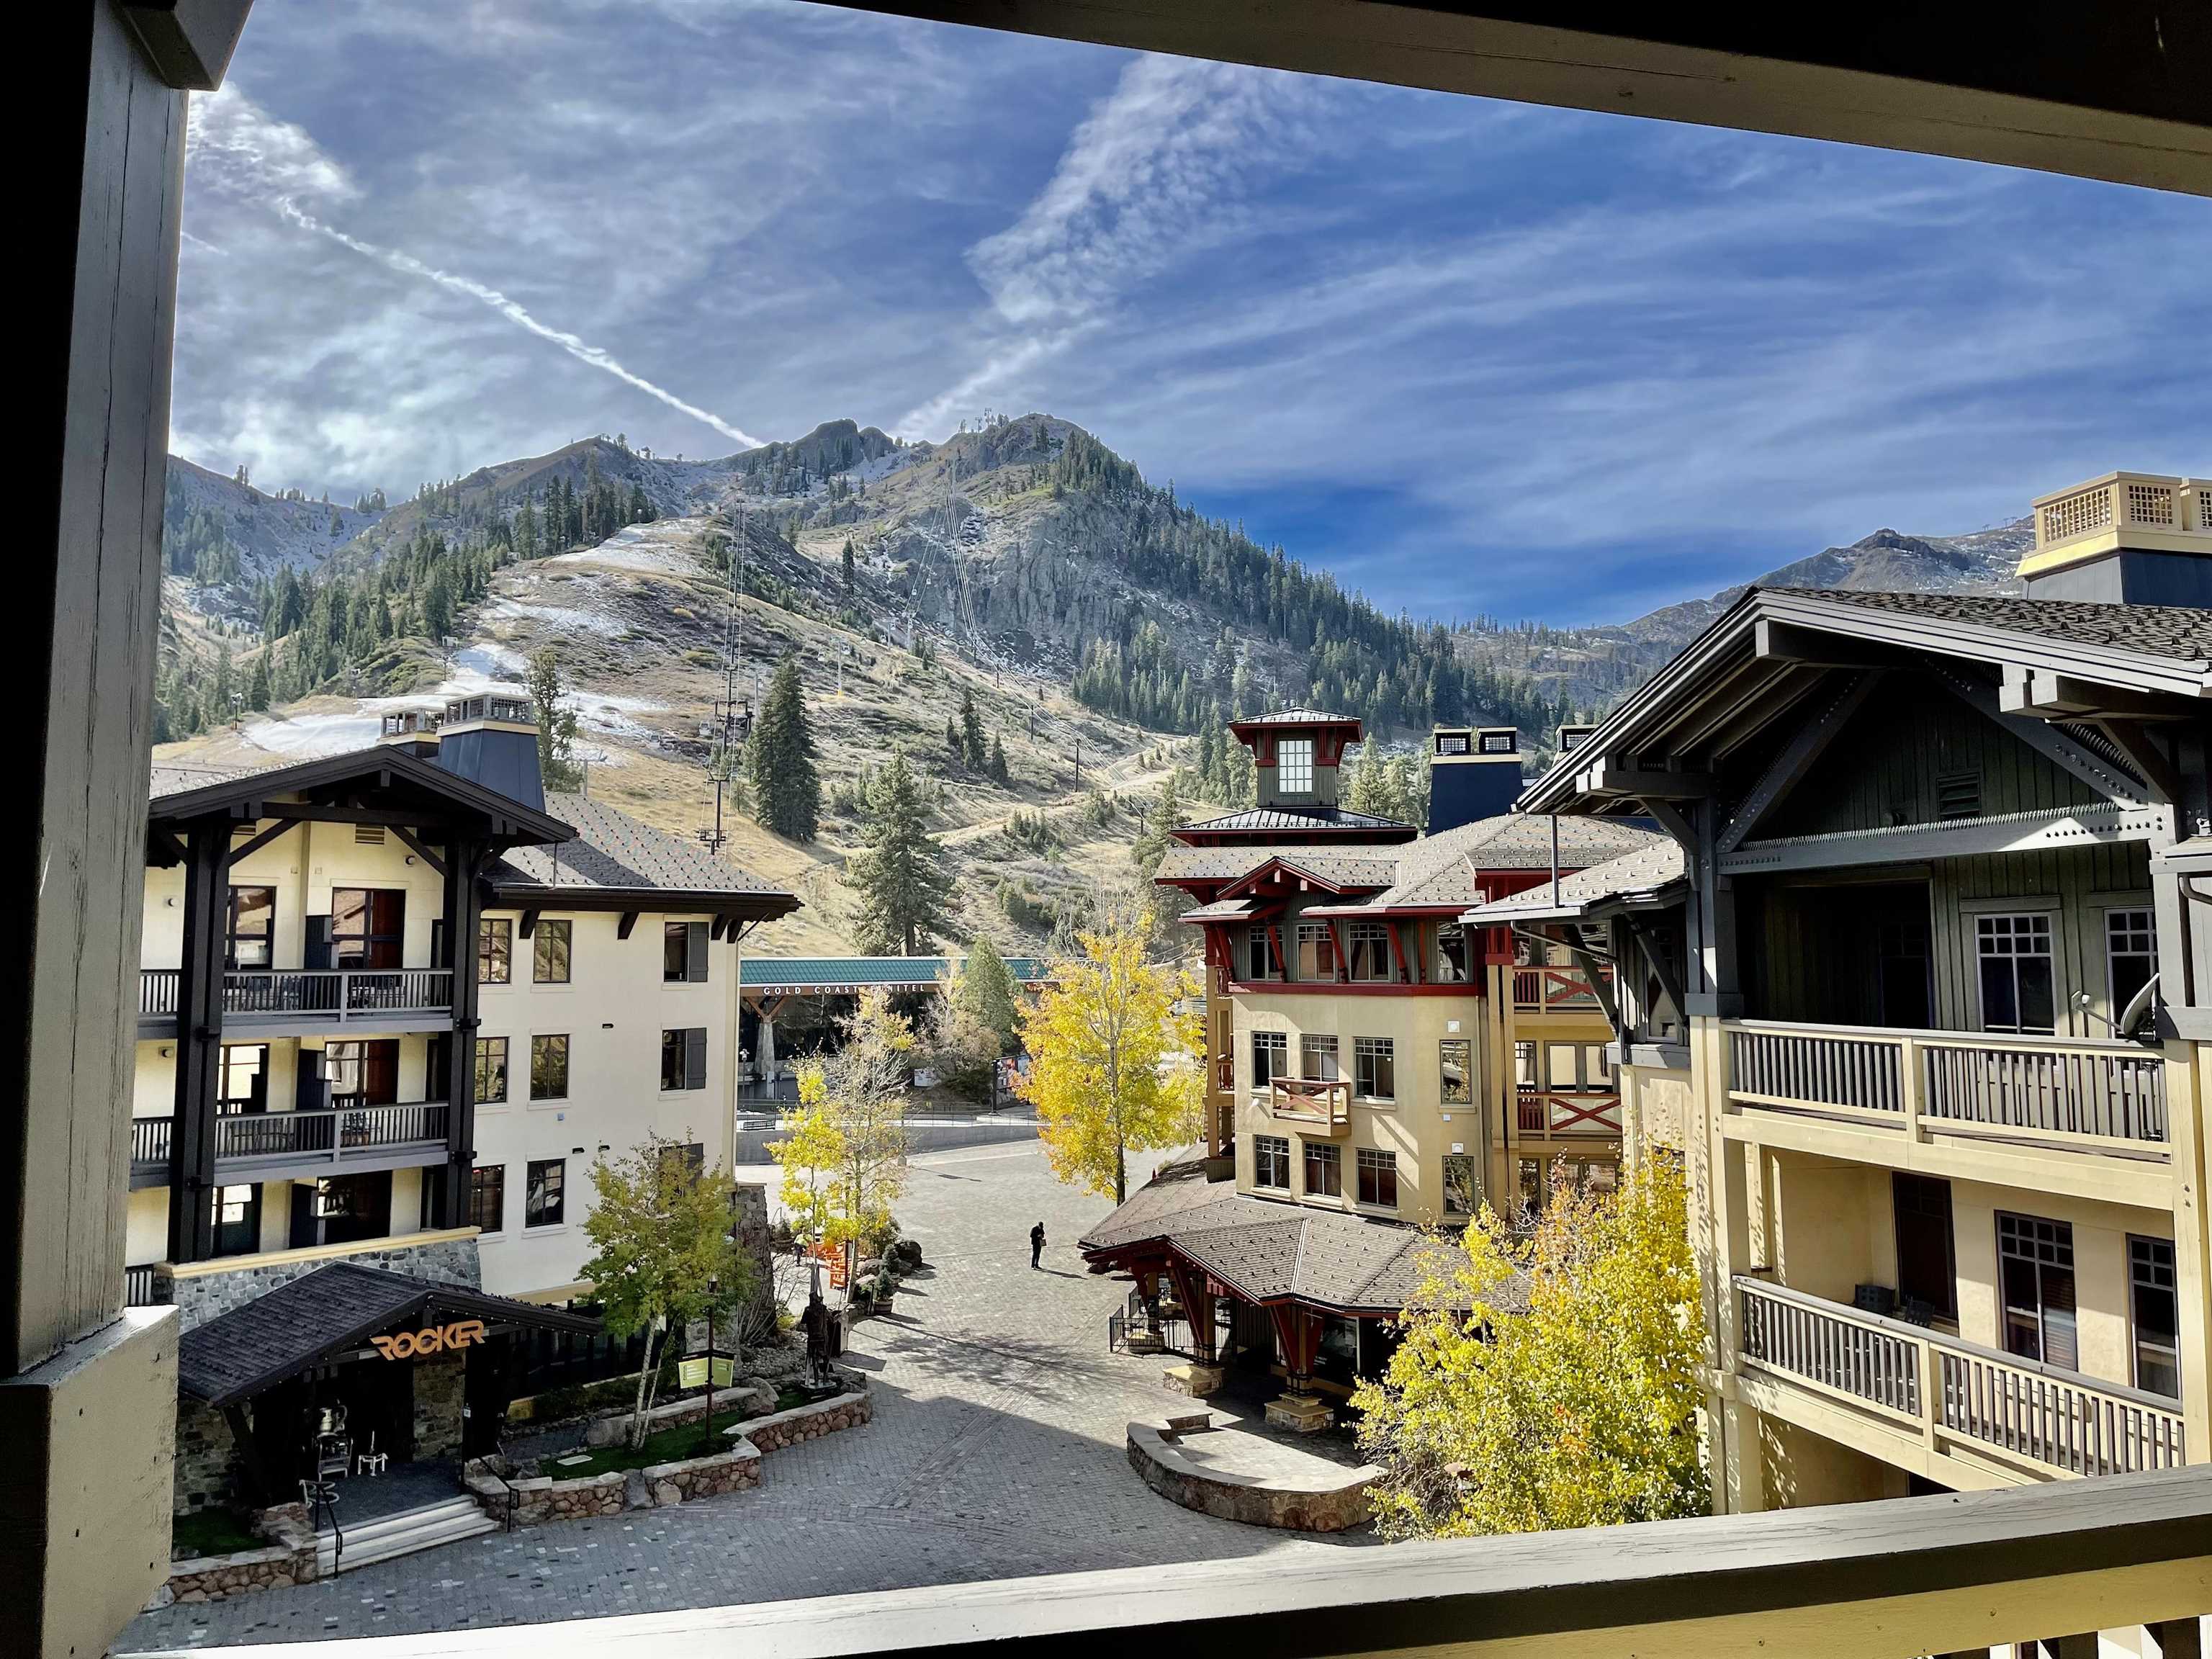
x,y
211,1532
670,1445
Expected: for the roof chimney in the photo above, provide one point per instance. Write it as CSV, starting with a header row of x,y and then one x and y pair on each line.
x,y
492,740
2125,538
1474,773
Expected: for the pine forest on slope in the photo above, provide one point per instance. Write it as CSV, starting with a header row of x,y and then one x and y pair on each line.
x,y
1091,629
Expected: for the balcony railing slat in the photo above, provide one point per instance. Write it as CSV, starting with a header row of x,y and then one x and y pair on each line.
x,y
340,992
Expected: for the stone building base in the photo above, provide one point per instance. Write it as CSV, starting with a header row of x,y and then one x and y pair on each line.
x,y
1196,1380
1301,1413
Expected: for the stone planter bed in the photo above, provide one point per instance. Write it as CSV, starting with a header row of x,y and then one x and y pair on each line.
x,y
289,1557
1240,1476
541,1495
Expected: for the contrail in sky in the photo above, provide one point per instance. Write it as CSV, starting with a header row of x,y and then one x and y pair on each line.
x,y
249,153
582,350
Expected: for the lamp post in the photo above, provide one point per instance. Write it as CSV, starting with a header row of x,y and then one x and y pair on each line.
x,y
714,1287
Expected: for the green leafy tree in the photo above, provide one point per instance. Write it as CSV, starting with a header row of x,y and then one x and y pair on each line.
x,y
557,723
1580,1412
786,791
659,1227
900,874
844,1153
1113,1058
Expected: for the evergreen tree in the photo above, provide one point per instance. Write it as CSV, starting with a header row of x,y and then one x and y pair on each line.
x,y
556,724
849,564
902,883
256,694
1001,774
786,792
973,751
985,991
1149,848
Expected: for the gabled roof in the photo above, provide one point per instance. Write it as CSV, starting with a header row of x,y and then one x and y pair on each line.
x,y
1323,867
1445,869
2159,650
1645,876
329,1311
614,862
1267,1251
1296,716
179,794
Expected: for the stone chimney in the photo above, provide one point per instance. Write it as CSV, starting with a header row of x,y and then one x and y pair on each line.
x,y
2125,538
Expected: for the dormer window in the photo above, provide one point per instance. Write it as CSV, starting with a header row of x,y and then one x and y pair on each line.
x,y
1294,766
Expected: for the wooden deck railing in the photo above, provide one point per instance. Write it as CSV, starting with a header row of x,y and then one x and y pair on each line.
x,y
1882,1580
1546,989
1312,1103
1540,1112
2059,1421
2062,1092
339,993
334,1134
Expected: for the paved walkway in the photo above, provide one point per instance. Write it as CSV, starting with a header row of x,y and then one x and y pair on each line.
x,y
997,1450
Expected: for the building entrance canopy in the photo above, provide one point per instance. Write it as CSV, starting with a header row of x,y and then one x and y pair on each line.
x,y
337,1312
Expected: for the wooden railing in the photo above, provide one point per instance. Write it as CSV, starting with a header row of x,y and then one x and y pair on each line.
x,y
339,993
1540,1112
149,1142
2060,1090
1880,1580
1544,989
334,1133
157,992
1311,1102
2061,1421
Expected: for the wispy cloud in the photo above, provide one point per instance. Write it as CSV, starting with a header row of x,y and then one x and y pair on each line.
x,y
237,148
1149,180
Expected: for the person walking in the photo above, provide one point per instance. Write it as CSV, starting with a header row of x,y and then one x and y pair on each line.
x,y
1036,1244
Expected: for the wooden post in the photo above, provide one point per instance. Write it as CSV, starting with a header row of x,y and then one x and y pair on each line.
x,y
199,1042
449,1193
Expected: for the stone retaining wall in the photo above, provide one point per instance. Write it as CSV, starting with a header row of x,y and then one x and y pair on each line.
x,y
1327,1502
540,1498
287,1559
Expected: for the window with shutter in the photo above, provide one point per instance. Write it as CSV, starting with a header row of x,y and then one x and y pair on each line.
x,y
694,1059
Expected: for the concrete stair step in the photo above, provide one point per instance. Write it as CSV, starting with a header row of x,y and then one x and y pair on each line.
x,y
393,1535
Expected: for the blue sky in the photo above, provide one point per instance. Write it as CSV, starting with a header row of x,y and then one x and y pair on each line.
x,y
1474,357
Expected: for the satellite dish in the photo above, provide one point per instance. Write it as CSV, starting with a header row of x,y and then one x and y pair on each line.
x,y
2140,1004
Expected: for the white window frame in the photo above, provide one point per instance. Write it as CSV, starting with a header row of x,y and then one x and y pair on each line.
x,y
2149,924
1294,766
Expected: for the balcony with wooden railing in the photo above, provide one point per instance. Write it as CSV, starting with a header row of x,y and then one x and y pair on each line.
x,y
2052,1107
272,1145
1990,1417
1548,1112
1313,1106
275,1000
1544,988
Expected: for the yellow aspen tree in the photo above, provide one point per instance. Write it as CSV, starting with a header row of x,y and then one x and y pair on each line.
x,y
1115,1062
1546,1380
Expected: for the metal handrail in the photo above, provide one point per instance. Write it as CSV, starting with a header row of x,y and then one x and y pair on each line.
x,y
513,1498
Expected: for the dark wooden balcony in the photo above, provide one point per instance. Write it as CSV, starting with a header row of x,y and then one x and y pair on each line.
x,y
274,1145
280,1001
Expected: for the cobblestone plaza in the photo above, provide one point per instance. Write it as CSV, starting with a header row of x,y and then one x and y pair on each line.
x,y
997,1450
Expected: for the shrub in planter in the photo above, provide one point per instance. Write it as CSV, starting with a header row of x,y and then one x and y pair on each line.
x,y
906,1254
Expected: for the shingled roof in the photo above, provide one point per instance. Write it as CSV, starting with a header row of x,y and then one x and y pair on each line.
x,y
613,856
1261,819
1266,1251
2181,632
236,1355
1648,871
1441,869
